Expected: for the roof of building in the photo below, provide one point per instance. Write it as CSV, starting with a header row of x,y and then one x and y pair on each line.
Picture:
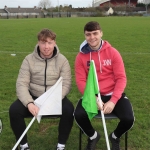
x,y
23,10
3,11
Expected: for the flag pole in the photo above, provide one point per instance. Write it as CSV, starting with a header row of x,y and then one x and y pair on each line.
x,y
31,122
102,113
104,123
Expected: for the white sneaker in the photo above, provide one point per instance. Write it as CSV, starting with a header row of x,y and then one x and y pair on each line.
x,y
60,148
24,148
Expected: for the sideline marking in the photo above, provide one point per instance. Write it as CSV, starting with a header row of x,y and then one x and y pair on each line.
x,y
128,53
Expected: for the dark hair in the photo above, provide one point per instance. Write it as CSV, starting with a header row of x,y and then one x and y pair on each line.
x,y
91,26
46,33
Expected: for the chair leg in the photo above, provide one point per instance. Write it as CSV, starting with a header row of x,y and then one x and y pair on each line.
x,y
80,138
126,140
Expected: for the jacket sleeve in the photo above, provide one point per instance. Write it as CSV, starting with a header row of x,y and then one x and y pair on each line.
x,y
22,84
66,74
119,75
80,74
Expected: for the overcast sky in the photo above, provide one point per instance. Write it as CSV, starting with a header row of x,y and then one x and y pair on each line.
x,y
32,3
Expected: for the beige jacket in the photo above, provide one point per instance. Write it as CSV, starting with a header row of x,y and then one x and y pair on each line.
x,y
37,75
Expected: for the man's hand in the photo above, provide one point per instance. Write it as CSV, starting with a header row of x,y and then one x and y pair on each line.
x,y
33,109
108,107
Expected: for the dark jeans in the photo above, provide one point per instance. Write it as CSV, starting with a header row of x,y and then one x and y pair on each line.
x,y
123,110
18,112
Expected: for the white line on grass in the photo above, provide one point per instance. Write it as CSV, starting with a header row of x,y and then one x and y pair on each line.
x,y
3,112
126,53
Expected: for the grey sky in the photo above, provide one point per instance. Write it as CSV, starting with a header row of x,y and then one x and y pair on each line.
x,y
32,3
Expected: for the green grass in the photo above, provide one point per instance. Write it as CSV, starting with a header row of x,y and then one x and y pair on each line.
x,y
130,35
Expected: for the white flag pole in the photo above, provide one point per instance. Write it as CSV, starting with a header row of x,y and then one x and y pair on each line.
x,y
102,113
104,123
31,122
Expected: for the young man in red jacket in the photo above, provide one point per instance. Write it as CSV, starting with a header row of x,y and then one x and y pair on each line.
x,y
112,82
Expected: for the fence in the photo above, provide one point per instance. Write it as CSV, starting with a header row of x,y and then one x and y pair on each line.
x,y
47,15
67,14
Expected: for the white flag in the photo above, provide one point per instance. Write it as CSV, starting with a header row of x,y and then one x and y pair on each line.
x,y
50,103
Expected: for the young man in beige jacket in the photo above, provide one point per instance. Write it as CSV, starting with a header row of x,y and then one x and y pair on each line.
x,y
39,71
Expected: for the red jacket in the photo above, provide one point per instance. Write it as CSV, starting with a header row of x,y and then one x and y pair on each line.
x,y
109,66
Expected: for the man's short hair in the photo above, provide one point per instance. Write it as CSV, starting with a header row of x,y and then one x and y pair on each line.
x,y
92,26
46,33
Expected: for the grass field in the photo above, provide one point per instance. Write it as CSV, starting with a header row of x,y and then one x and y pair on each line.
x,y
130,35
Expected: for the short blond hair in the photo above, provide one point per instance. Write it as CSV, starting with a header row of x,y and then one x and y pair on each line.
x,y
46,33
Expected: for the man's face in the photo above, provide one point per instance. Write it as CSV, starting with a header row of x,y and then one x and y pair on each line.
x,y
93,38
46,48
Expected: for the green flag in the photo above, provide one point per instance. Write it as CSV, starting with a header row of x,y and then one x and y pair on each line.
x,y
89,98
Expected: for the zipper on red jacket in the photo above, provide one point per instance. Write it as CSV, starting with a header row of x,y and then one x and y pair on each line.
x,y
45,74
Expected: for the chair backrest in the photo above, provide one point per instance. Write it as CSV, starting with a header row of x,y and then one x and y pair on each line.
x,y
107,116
46,116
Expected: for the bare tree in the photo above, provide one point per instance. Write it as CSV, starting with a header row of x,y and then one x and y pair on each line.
x,y
45,4
146,2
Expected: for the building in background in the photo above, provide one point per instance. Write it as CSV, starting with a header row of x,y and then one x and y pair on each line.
x,y
114,3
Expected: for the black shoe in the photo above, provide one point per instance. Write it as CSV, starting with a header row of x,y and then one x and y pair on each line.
x,y
27,148
92,143
114,142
